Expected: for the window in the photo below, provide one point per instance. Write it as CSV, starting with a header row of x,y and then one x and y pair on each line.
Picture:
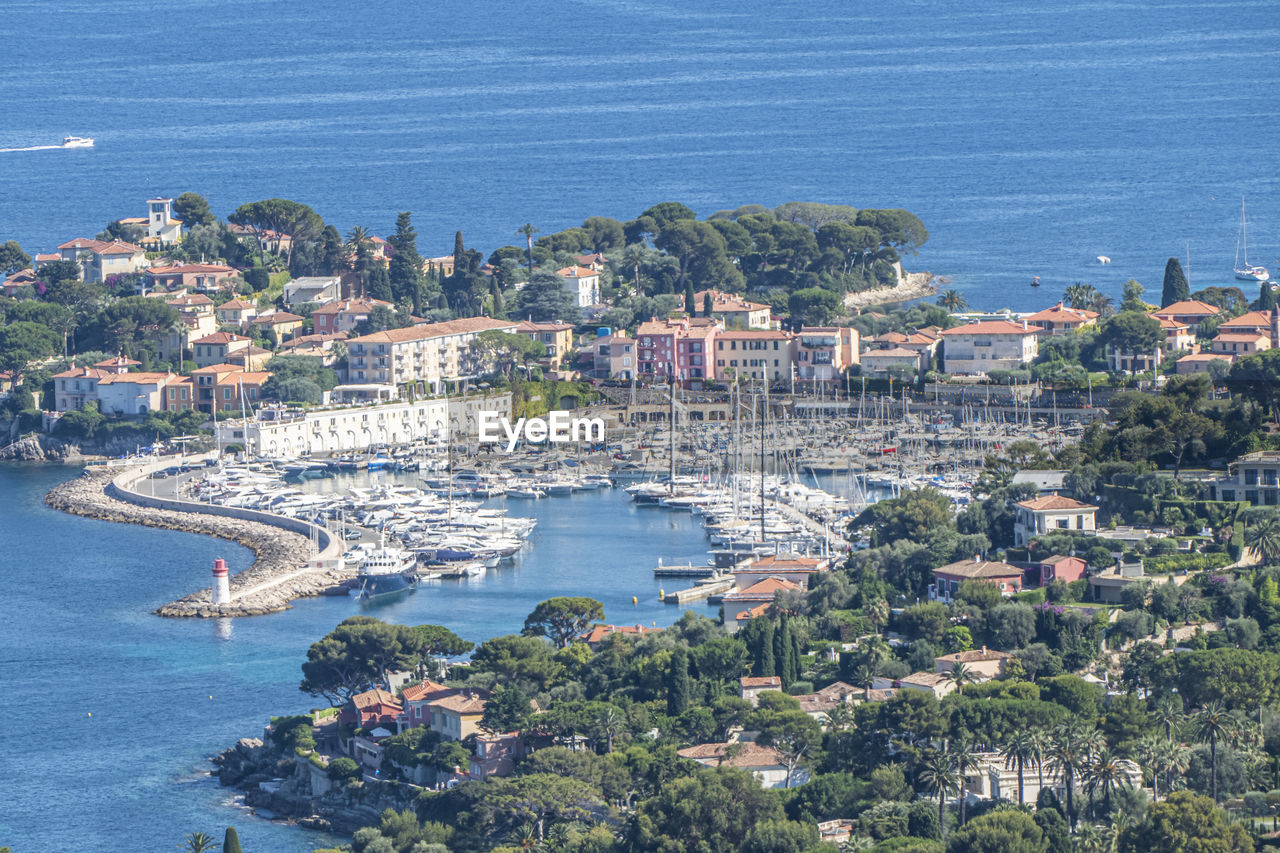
x,y
626,361
1063,523
1079,522
226,393
1251,476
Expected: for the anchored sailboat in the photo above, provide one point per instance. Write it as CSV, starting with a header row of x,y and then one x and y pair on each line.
x,y
1246,271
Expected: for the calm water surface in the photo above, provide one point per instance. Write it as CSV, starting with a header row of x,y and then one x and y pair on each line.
x,y
112,713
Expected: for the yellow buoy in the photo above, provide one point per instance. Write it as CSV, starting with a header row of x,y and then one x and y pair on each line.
x,y
635,600
662,593
210,697
90,713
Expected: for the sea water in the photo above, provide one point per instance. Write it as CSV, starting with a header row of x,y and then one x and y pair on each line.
x,y
1030,137
111,713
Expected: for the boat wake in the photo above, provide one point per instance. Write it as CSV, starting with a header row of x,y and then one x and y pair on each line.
x,y
31,148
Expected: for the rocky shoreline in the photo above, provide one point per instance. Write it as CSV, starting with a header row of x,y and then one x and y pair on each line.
x,y
290,787
914,285
279,574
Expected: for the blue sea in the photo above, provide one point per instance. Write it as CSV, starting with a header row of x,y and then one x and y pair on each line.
x,y
111,713
1029,137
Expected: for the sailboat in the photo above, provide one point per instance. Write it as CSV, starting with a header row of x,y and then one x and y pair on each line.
x,y
1247,271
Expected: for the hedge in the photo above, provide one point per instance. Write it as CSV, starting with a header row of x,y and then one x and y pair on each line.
x,y
1176,563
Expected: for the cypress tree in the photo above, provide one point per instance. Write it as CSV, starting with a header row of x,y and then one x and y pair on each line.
x,y
678,683
764,652
231,841
499,305
707,304
797,652
405,271
1176,288
379,286
782,653
690,306
1266,298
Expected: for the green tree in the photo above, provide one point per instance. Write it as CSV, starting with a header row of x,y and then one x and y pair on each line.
x,y
527,231
1262,537
813,306
678,682
507,710
937,775
1176,288
999,832
12,258
794,734
198,842
356,655
1019,752
1213,723
193,209
282,216
405,269
562,619
1132,300
22,343
701,253
706,812
231,841
1185,823
540,799
952,300
545,299
1132,332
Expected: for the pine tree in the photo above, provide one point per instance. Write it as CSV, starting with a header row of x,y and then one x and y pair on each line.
x,y
690,301
405,273
1176,288
231,841
678,683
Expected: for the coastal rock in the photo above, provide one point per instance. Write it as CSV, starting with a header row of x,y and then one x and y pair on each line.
x,y
40,448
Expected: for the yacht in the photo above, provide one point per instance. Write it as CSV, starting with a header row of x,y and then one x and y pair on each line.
x,y
77,142
385,571
1247,271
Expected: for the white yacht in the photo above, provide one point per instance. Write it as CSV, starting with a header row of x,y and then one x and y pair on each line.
x,y
77,142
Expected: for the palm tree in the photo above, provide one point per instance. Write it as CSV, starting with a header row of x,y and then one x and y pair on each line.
x,y
864,676
633,256
952,301
1079,295
528,230
1018,752
198,842
960,675
1168,713
878,613
1105,773
839,718
1069,750
1150,753
1263,538
1100,303
1092,840
1175,760
938,776
1040,741
610,724
856,844
1213,722
965,762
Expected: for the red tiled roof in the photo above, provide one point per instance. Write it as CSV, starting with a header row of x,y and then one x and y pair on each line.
x,y
220,338
992,327
979,569
734,755
1061,314
1054,502
599,632
183,269
576,272
1188,308
749,681
466,325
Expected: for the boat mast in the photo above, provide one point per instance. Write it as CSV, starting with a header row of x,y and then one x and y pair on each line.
x,y
764,414
671,424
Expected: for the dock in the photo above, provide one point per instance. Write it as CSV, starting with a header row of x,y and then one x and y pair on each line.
x,y
688,571
698,592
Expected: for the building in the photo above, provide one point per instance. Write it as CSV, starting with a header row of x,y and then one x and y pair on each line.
x,y
343,315
277,326
99,259
795,569
250,358
417,702
983,663
237,312
1061,320
75,387
204,278
755,355
938,684
1253,322
597,634
978,348
1178,337
947,579
680,347
430,355
370,709
823,353
214,349
750,687
1189,312
1254,478
281,433
225,387
1108,585
732,311
312,290
1199,362
1051,514
765,763
162,228
613,357
1061,568
132,393
885,362
582,283
556,337
821,703
1240,344
458,715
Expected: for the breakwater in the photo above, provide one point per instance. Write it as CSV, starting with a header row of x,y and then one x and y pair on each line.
x,y
286,565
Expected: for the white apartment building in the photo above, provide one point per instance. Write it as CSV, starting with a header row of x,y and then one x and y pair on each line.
x,y
978,348
431,354
582,283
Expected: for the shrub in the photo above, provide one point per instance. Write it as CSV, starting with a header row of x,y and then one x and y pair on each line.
x,y
343,769
1165,564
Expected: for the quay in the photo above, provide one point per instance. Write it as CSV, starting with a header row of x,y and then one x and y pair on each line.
x,y
292,559
703,590
689,571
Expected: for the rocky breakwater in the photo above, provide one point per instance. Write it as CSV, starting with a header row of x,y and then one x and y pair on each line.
x,y
281,570
297,787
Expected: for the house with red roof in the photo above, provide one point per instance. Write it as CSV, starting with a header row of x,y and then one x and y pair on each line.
x,y
947,579
1052,514
238,312
343,315
1191,312
98,259
597,633
683,347
582,283
1061,320
751,686
880,362
1240,344
977,348
370,709
733,311
795,569
984,663
1199,362
204,278
1060,568
823,353
75,387
214,349
765,763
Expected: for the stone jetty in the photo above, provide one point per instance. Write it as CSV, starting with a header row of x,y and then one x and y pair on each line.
x,y
281,571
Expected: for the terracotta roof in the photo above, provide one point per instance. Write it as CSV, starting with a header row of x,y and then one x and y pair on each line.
x,y
758,610
82,373
237,305
576,271
763,681
275,317
837,688
733,755
118,361
183,269
773,561
83,243
1061,314
729,303
599,632
460,703
532,326
1207,356
896,352
220,338
767,587
1059,558
191,299
1188,308
372,698
425,690
993,327
216,369
468,325
350,306
1053,502
755,334
1169,324
50,256
136,378
1241,337
1251,320
925,679
979,569
118,247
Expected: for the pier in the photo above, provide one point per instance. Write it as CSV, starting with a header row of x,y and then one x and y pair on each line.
x,y
689,571
704,590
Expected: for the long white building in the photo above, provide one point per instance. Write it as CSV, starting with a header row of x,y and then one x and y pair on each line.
x,y
288,433
428,355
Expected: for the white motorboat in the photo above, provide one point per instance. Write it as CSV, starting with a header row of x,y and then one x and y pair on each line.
x,y
77,142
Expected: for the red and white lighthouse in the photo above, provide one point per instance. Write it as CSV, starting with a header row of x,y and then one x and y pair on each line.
x,y
221,582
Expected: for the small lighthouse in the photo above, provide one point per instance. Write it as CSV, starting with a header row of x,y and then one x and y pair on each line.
x,y
221,583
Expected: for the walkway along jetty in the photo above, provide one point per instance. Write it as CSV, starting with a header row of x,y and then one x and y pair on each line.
x,y
293,559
